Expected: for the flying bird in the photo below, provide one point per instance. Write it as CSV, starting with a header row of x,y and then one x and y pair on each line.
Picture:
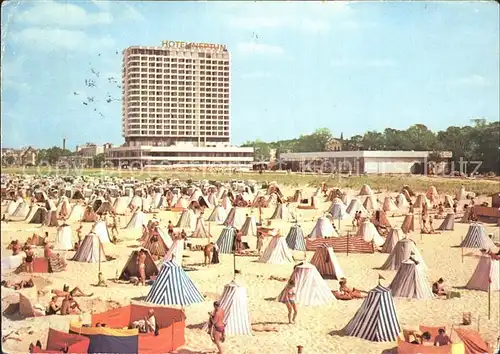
x,y
96,73
75,93
85,103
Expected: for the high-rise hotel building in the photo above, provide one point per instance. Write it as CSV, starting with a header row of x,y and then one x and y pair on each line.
x,y
176,107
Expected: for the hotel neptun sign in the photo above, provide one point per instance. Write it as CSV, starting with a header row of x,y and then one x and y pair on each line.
x,y
191,45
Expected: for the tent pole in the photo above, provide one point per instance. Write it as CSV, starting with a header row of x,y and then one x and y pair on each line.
x,y
489,298
100,249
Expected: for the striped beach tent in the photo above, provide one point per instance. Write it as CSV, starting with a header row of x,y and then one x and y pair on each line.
x,y
368,231
175,252
411,282
225,242
22,210
389,205
339,211
76,213
101,230
420,201
63,238
131,268
218,215
200,229
156,245
448,223
136,221
311,288
234,302
477,238
295,238
173,287
402,252
365,190
371,203
408,223
249,228
326,262
376,320
487,273
280,213
395,234
235,218
323,228
187,220
121,205
277,252
89,250
401,201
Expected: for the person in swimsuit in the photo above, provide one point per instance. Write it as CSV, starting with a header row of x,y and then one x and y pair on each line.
x,y
53,307
141,263
216,326
260,241
438,288
20,285
289,300
170,228
442,338
28,261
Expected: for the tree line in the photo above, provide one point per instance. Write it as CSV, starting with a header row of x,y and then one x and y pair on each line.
x,y
477,142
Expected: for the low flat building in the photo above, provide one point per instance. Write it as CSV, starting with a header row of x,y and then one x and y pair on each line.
x,y
182,156
361,162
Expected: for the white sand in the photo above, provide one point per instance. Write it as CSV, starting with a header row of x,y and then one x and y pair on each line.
x,y
314,327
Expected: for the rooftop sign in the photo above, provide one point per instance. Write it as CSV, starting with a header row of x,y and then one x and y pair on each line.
x,y
191,45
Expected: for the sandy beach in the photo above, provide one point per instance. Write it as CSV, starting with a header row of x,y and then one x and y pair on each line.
x,y
317,328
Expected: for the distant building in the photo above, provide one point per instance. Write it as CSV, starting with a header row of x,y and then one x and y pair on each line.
x,y
19,157
90,150
361,162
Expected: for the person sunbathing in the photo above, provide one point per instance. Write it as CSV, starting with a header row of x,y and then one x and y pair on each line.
x,y
438,288
53,308
442,338
69,304
76,292
18,285
346,293
423,339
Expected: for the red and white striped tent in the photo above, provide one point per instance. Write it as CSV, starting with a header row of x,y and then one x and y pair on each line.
x,y
326,262
89,250
311,288
487,273
277,252
395,234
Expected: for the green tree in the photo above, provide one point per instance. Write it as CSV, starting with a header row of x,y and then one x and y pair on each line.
x,y
98,160
52,155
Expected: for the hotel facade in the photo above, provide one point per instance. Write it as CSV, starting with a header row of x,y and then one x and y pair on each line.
x,y
176,108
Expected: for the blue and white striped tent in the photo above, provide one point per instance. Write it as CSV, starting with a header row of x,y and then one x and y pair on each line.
x,y
376,320
225,242
477,238
295,238
173,287
338,211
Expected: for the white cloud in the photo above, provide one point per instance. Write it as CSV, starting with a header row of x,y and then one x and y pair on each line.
x,y
50,39
256,48
472,80
61,14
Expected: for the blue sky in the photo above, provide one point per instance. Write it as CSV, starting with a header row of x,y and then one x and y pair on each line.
x,y
296,66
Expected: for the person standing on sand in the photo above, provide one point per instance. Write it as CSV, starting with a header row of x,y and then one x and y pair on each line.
x,y
260,241
141,264
216,327
289,300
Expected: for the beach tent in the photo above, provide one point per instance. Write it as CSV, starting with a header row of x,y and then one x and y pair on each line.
x,y
12,206
376,320
234,302
56,341
354,206
371,203
477,238
369,233
89,215
461,194
165,236
203,202
51,219
276,252
249,228
106,207
170,322
432,195
63,238
37,215
326,262
175,252
295,238
147,204
408,223
131,268
212,199
401,201
402,252
200,230
365,190
89,250
389,205
226,203
121,205
22,210
322,229
487,273
420,201
225,242
297,196
311,288
136,221
280,213
448,223
101,230
156,245
136,203
187,220
334,193
448,201
338,211
411,282
173,287
395,234
235,218
76,213
381,218
407,190
218,215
